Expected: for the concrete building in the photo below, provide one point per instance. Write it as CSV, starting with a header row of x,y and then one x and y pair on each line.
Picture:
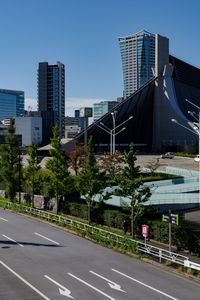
x,y
153,106
101,108
51,94
30,128
11,104
138,58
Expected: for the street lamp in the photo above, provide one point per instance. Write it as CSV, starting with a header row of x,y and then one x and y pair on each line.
x,y
112,131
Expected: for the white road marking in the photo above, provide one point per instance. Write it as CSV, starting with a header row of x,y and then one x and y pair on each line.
x,y
144,284
112,284
92,287
12,240
44,237
64,291
25,281
4,219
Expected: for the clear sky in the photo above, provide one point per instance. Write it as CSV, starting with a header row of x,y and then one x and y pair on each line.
x,y
83,34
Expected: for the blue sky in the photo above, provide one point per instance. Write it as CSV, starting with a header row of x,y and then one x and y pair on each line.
x,y
83,34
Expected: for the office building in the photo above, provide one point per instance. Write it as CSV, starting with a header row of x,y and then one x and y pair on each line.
x,y
30,128
102,108
51,94
11,104
138,59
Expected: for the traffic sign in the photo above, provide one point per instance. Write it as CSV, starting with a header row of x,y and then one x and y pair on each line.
x,y
172,218
145,230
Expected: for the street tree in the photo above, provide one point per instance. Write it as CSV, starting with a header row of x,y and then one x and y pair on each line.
x,y
59,167
11,162
90,180
131,185
32,169
112,164
77,158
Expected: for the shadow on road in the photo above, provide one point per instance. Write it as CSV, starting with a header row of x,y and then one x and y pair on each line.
x,y
28,244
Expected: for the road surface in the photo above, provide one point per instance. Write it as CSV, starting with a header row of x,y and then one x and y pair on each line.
x,y
39,261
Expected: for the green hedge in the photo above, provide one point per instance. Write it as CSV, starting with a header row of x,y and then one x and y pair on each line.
x,y
100,215
182,236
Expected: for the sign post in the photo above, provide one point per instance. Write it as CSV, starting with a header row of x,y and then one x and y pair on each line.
x,y
171,219
145,233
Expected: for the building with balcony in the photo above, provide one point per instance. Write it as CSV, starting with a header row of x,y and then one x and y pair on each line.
x,y
51,94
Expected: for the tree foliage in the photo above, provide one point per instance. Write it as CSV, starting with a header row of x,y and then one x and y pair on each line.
x,y
32,169
112,164
77,158
61,181
11,162
131,185
90,180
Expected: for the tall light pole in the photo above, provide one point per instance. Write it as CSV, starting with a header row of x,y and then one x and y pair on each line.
x,y
112,131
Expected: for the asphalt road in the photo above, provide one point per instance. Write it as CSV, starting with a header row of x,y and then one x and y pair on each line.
x,y
39,261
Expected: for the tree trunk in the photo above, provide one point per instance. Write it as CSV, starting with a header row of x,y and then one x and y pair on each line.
x,y
89,211
132,223
57,204
32,191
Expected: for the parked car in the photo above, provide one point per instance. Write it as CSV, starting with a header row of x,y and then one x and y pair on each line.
x,y
197,158
167,155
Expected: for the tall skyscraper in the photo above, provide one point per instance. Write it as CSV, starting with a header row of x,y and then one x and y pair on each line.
x,y
11,104
138,58
102,108
51,93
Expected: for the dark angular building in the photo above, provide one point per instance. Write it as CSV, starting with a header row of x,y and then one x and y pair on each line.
x,y
51,95
153,106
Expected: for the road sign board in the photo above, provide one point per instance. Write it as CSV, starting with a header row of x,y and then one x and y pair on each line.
x,y
166,218
172,218
145,230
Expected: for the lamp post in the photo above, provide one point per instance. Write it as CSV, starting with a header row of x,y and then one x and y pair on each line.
x,y
112,131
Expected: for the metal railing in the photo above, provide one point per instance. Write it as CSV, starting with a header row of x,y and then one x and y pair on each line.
x,y
111,237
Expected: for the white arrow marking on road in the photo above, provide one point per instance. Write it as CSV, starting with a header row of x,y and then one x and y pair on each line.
x,y
91,286
144,284
4,219
25,281
63,290
112,284
44,237
12,240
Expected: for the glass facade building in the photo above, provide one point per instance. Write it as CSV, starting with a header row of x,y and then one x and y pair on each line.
x,y
102,108
11,104
138,58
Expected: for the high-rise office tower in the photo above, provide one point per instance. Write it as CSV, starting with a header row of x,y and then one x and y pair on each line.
x,y
138,58
51,93
11,104
102,108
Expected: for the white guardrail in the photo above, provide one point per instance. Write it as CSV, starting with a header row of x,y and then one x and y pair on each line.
x,y
160,253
